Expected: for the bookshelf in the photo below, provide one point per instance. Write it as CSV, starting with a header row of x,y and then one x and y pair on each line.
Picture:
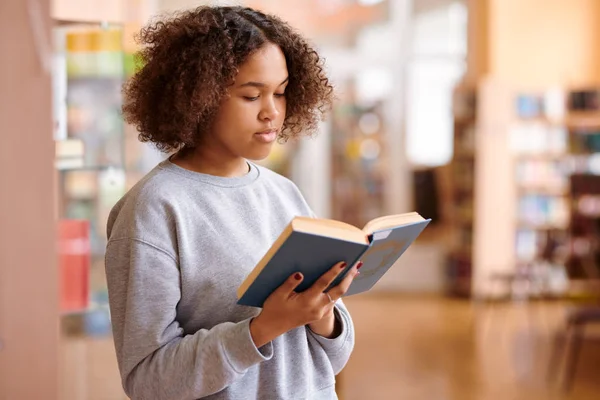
x,y
359,158
97,158
459,263
536,218
583,263
539,142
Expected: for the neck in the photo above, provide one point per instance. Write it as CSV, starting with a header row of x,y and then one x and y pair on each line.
x,y
211,163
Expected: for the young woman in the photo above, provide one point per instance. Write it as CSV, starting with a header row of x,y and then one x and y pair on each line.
x,y
216,87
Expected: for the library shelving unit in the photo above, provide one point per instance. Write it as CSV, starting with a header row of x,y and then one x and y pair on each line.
x,y
536,202
538,139
583,123
461,171
97,159
359,159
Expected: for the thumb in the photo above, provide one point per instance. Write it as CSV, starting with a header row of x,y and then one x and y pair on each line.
x,y
290,284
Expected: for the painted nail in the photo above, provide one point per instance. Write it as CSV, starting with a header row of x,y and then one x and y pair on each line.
x,y
343,265
360,264
297,276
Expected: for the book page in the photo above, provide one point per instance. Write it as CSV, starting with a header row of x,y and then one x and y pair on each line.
x,y
391,221
330,228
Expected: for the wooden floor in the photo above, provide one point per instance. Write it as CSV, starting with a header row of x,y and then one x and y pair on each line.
x,y
408,348
454,350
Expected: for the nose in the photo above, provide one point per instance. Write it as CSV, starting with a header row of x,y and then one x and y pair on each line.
x,y
269,111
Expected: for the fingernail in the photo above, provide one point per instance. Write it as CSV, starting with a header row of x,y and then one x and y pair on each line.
x,y
343,265
297,276
360,264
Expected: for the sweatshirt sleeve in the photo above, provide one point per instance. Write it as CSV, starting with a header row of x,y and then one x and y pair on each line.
x,y
157,360
340,348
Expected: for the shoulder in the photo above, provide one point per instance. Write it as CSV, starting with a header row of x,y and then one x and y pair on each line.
x,y
158,188
273,177
278,181
148,206
285,189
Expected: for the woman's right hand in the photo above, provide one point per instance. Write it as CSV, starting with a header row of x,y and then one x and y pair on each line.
x,y
285,309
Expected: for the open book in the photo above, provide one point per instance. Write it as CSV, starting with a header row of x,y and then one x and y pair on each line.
x,y
312,246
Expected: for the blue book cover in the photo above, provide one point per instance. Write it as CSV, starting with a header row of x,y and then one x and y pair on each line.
x,y
313,246
387,246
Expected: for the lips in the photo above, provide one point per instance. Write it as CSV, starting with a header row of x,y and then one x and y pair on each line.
x,y
267,132
267,136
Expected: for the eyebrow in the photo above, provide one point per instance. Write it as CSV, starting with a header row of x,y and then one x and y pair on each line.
x,y
260,84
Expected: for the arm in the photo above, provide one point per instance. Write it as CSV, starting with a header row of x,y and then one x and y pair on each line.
x,y
156,359
340,346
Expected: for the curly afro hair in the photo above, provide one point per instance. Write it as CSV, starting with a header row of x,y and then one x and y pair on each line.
x,y
187,63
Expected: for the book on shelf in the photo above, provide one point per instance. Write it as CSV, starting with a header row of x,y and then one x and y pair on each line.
x,y
312,246
74,264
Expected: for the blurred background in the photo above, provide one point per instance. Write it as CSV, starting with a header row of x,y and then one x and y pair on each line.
x,y
483,115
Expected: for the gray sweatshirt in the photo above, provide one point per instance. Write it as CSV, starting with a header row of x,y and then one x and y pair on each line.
x,y
180,243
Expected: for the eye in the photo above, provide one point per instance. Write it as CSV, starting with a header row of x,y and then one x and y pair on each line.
x,y
251,98
279,94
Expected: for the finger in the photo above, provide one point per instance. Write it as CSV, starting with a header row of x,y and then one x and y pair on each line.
x,y
325,280
339,290
290,284
329,297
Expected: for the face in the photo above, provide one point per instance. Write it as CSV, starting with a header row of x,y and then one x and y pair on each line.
x,y
250,119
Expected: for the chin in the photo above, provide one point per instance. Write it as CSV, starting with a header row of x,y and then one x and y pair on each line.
x,y
258,155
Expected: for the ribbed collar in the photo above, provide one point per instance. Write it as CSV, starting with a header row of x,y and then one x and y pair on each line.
x,y
252,175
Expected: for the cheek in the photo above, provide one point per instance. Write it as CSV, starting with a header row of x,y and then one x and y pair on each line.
x,y
237,113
